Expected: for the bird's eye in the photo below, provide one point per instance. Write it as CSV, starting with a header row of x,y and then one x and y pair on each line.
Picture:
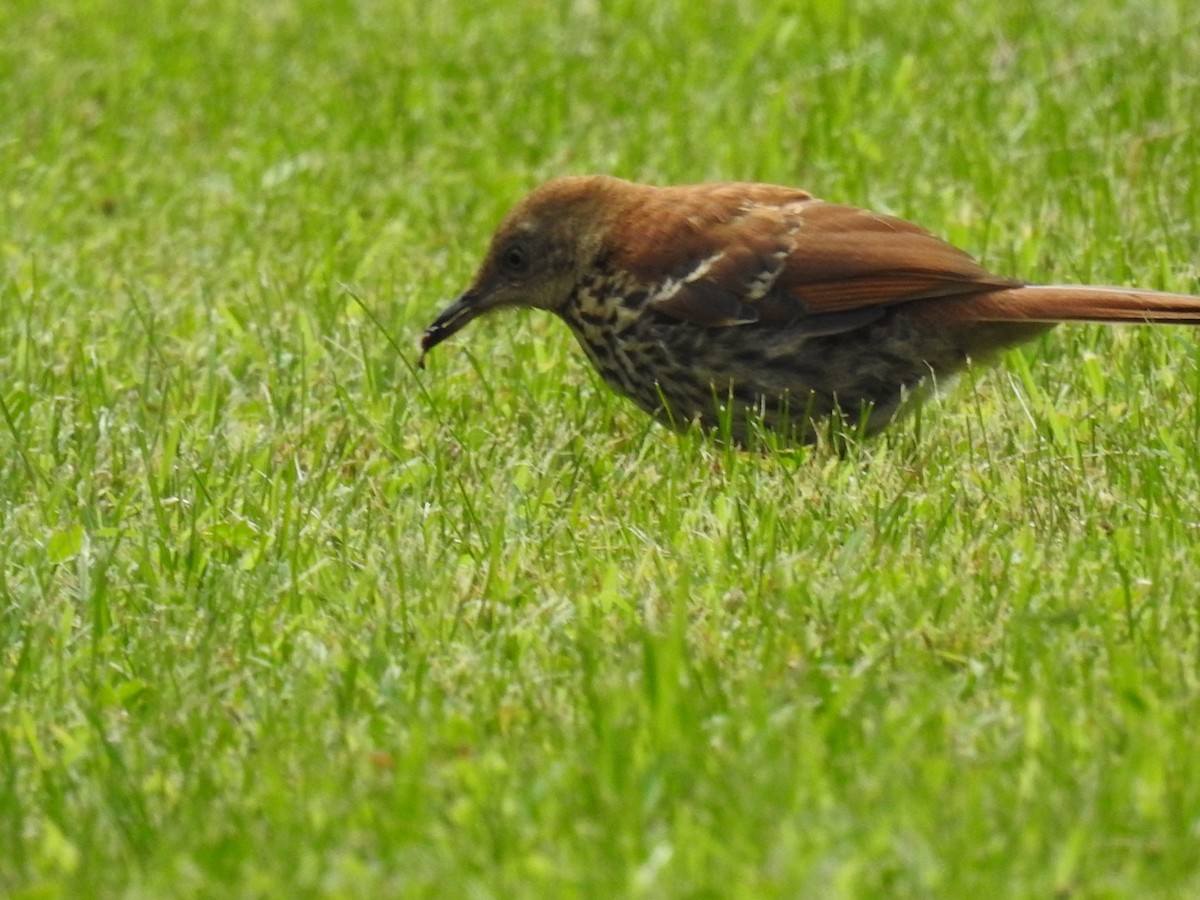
x,y
515,259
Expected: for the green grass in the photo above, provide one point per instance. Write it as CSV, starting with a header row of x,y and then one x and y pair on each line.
x,y
282,616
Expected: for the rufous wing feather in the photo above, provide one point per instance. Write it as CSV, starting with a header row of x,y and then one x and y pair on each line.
x,y
832,267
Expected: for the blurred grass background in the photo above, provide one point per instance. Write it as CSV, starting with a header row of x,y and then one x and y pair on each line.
x,y
282,616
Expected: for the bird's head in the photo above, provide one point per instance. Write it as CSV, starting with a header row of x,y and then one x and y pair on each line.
x,y
539,252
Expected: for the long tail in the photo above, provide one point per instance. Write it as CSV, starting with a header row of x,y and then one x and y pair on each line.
x,y
1070,303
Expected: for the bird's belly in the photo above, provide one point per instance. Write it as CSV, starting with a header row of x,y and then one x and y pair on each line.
x,y
724,378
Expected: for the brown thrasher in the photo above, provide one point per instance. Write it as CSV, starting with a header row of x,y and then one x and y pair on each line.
x,y
726,303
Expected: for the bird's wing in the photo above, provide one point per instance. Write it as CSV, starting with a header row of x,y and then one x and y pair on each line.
x,y
810,264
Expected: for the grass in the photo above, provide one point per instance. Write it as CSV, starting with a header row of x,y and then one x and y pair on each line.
x,y
281,615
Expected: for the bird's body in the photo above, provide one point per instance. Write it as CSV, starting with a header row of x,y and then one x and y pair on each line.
x,y
728,303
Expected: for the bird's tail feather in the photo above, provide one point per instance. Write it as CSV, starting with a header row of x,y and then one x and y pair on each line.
x,y
1070,303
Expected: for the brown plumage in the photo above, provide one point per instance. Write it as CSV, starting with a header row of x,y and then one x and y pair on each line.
x,y
723,303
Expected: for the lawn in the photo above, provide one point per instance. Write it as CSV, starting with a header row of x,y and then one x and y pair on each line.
x,y
282,615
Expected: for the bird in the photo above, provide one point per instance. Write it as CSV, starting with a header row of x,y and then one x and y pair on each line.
x,y
749,308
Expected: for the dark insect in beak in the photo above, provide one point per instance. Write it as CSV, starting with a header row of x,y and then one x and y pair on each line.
x,y
453,318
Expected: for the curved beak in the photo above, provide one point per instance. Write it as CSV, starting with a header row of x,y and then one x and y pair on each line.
x,y
453,318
